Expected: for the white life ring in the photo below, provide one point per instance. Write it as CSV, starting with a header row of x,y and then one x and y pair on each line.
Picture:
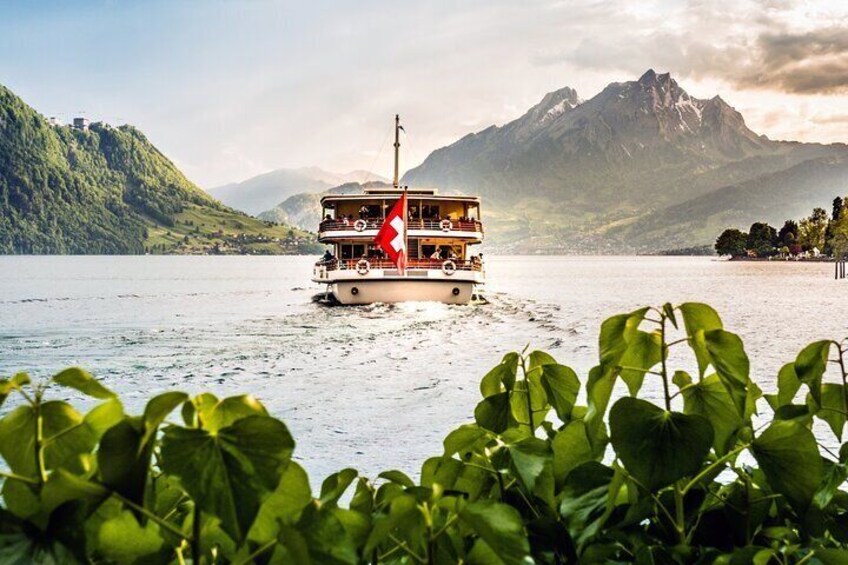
x,y
448,267
446,225
363,266
360,225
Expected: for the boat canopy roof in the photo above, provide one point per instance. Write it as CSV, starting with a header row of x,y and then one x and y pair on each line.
x,y
371,194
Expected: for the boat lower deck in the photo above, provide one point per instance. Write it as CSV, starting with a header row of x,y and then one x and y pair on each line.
x,y
400,289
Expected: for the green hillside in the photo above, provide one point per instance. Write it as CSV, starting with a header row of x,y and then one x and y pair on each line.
x,y
108,190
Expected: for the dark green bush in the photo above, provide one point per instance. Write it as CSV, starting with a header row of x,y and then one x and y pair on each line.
x,y
537,478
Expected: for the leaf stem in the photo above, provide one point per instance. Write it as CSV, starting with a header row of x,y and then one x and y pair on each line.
x,y
709,468
141,509
40,466
259,551
16,477
529,397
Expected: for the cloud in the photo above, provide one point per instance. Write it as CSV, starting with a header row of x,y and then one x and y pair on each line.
x,y
814,62
776,45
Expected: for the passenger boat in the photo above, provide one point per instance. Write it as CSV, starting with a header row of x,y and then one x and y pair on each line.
x,y
433,243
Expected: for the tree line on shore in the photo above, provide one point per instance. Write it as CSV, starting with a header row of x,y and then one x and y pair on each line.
x,y
816,235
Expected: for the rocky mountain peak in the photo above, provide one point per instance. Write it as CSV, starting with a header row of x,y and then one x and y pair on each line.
x,y
554,104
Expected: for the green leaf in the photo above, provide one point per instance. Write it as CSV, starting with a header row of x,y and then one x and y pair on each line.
x,y
230,410
15,383
698,319
731,364
501,377
67,440
229,473
616,333
403,511
397,477
325,537
709,398
465,438
283,506
834,477
122,460
811,364
121,539
598,392
104,416
682,379
668,310
500,526
787,387
644,350
82,381
529,457
832,407
571,447
561,386
494,413
538,359
335,486
789,458
157,410
655,446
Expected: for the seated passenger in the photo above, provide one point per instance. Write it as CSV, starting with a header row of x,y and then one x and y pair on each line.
x,y
436,256
363,212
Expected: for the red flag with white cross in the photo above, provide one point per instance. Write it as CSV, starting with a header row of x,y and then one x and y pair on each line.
x,y
392,236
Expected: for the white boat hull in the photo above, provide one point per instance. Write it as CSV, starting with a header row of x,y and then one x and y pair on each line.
x,y
369,291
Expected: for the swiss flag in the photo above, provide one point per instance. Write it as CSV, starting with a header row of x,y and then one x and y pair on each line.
x,y
392,236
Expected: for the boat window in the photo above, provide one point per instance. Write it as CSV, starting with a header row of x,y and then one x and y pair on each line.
x,y
430,212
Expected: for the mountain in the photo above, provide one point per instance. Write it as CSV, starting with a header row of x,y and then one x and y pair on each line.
x,y
574,175
304,210
108,190
263,192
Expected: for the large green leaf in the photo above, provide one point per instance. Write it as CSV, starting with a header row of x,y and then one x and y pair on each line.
x,y
709,398
120,538
728,357
571,447
465,438
123,461
644,350
501,377
811,364
698,319
529,457
832,407
66,439
284,506
494,412
788,384
616,334
658,447
228,473
500,526
82,381
335,486
157,409
789,458
561,386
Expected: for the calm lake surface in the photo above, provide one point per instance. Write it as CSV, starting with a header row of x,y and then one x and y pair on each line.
x,y
373,387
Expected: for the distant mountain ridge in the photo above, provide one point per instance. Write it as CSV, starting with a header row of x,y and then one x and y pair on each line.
x,y
263,192
571,173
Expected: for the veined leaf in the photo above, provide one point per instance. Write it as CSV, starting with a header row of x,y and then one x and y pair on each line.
x,y
832,407
15,383
494,412
811,364
500,526
82,381
561,386
709,398
571,447
228,473
789,457
727,355
698,319
655,446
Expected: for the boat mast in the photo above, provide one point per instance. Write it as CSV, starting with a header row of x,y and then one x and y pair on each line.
x,y
397,149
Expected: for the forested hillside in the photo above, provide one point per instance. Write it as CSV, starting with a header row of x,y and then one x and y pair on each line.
x,y
108,190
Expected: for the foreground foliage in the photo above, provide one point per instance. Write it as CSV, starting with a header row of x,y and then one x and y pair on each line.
x,y
693,476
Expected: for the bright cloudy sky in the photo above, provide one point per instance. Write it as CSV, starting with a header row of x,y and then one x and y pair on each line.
x,y
230,89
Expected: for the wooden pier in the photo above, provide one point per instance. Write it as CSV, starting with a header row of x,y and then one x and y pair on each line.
x,y
839,268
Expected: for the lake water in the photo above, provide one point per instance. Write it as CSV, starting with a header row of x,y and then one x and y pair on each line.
x,y
373,387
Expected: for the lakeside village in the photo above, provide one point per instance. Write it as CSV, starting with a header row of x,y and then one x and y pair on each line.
x,y
817,237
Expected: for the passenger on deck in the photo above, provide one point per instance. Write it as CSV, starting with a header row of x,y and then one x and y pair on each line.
x,y
452,255
328,256
345,221
437,255
363,212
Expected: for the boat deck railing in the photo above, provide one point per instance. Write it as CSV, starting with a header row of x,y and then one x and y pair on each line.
x,y
411,264
414,224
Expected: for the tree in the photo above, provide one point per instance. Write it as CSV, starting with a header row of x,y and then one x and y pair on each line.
x,y
731,242
838,207
838,242
811,230
788,234
762,239
830,233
